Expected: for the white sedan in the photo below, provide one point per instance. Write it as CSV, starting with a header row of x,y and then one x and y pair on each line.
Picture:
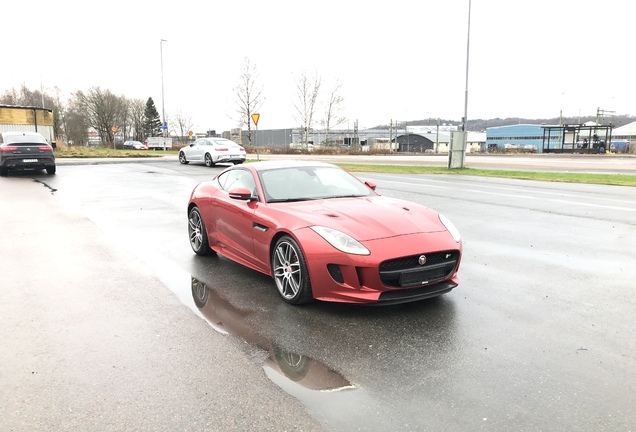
x,y
212,151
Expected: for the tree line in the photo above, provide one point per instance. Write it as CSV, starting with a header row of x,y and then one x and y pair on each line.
x,y
95,108
103,111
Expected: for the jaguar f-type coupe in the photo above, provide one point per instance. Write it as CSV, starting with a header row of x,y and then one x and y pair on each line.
x,y
323,234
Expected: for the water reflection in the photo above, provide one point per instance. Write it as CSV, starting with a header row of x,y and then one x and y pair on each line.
x,y
297,368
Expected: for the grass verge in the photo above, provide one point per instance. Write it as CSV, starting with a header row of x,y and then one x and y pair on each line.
x,y
605,179
101,152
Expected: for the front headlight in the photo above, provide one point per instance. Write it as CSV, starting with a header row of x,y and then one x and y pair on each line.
x,y
341,241
450,227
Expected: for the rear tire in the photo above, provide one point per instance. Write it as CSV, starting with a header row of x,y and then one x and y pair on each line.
x,y
198,234
50,169
208,160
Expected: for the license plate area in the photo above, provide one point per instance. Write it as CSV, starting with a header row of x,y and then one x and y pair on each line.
x,y
422,277
29,160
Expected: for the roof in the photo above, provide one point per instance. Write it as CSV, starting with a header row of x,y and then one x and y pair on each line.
x,y
25,107
628,129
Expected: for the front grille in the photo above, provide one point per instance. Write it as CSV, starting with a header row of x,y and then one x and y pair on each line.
x,y
407,272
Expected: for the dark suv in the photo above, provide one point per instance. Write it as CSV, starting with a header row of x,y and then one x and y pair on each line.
x,y
25,150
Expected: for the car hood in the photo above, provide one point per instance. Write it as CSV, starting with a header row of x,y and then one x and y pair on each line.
x,y
367,218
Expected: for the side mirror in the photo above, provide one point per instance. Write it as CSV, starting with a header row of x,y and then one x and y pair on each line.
x,y
241,193
191,145
370,184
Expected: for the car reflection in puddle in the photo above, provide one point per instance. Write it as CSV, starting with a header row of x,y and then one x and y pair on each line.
x,y
227,319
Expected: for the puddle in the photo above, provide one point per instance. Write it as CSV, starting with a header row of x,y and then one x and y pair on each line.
x,y
286,369
295,368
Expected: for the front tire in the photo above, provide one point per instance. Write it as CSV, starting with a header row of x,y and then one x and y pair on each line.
x,y
197,233
4,171
208,160
182,158
290,273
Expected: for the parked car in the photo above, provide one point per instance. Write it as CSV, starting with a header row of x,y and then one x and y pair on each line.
x,y
134,145
212,151
25,151
322,234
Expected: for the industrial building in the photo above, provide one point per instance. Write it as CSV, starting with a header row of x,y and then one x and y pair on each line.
x,y
408,139
589,137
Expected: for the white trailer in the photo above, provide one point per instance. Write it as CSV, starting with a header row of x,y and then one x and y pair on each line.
x,y
158,143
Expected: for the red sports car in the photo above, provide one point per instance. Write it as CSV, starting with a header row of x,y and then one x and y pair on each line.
x,y
323,234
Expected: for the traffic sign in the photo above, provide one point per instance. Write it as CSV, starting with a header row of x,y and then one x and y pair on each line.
x,y
114,129
255,118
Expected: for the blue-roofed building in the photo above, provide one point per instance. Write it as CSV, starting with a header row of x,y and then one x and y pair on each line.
x,y
521,136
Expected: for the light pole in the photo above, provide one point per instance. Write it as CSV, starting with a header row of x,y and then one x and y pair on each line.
x,y
163,99
467,61
457,150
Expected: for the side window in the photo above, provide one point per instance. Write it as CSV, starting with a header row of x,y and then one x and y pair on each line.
x,y
237,178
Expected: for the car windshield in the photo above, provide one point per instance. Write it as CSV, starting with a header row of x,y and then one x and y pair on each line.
x,y
310,183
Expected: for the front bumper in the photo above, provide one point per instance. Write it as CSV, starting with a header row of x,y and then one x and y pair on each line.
x,y
339,277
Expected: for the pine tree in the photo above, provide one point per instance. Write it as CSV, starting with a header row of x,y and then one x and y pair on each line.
x,y
152,122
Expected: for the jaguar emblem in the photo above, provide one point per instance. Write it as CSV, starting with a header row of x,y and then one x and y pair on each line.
x,y
422,260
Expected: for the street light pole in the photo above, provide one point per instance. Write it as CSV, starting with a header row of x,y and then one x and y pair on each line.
x,y
163,99
465,124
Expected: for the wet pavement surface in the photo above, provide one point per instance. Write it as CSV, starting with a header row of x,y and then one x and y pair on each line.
x,y
111,318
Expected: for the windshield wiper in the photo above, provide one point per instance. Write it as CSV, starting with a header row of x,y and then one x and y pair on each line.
x,y
290,200
345,196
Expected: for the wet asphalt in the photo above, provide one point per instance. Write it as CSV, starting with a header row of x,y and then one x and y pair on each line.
x,y
110,322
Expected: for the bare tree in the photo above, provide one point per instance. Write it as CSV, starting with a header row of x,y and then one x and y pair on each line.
x,y
123,117
181,124
249,96
308,89
34,98
102,109
137,109
75,123
24,97
60,118
333,111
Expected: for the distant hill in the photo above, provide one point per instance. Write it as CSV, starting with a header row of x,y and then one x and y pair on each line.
x,y
481,124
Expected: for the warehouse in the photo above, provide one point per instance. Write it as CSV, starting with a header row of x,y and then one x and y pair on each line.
x,y
525,137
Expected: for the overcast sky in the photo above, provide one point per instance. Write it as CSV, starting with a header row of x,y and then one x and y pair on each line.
x,y
402,59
